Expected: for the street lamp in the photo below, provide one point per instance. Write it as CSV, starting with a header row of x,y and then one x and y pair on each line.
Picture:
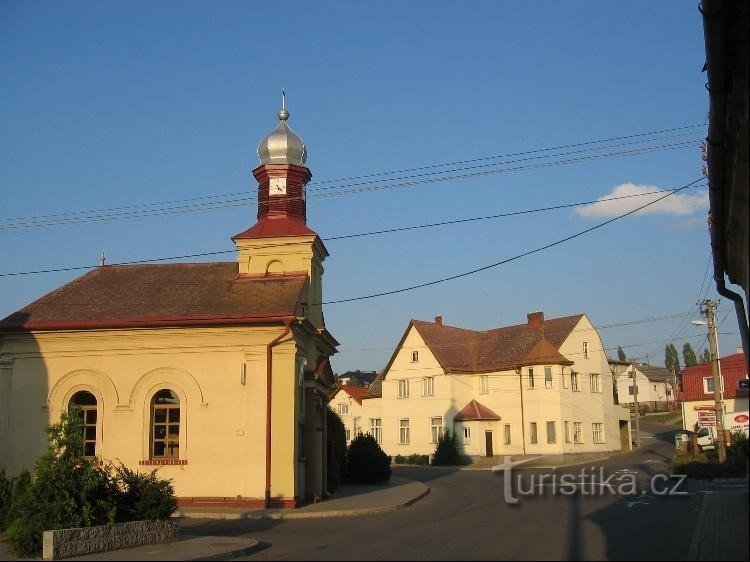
x,y
708,310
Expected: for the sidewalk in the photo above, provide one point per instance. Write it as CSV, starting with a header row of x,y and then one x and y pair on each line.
x,y
722,527
347,501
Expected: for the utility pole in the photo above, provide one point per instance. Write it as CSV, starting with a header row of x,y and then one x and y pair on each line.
x,y
637,409
709,310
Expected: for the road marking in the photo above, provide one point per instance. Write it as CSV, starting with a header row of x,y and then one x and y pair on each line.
x,y
654,460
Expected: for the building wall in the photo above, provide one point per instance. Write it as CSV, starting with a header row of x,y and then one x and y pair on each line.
x,y
222,428
354,421
690,409
646,390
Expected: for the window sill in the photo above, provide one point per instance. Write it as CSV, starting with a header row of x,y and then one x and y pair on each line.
x,y
162,462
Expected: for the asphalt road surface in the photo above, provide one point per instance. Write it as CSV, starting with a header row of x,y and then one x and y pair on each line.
x,y
466,516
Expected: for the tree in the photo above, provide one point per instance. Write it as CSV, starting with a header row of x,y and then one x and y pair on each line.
x,y
621,354
366,463
705,356
447,450
672,359
336,449
689,355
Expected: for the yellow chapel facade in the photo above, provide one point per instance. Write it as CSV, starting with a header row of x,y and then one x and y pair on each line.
x,y
217,373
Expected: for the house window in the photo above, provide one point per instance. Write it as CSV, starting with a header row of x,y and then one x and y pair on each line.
x,y
574,381
598,430
165,425
484,384
708,385
596,382
403,432
506,434
585,350
548,377
436,429
551,434
86,404
654,388
567,432
428,386
376,429
348,435
532,433
403,388
531,378
564,381
631,390
577,432
343,409
467,435
415,357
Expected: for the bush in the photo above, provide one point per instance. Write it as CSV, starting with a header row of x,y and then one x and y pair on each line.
x,y
335,449
366,462
142,496
67,491
399,459
447,450
14,488
420,460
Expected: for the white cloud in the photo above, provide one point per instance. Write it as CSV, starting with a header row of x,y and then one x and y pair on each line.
x,y
632,196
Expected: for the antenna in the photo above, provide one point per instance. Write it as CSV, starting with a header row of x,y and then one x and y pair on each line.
x,y
283,98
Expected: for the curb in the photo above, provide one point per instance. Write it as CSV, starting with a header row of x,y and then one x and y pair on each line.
x,y
697,532
251,547
347,512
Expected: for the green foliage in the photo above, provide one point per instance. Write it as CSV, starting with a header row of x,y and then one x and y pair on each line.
x,y
448,450
688,355
15,488
621,354
67,491
671,359
399,459
142,496
421,460
335,449
705,465
5,497
366,462
705,356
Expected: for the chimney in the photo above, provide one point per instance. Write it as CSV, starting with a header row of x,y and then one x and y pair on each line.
x,y
439,320
536,319
740,350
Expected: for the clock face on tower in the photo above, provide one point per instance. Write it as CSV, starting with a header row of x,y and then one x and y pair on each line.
x,y
277,186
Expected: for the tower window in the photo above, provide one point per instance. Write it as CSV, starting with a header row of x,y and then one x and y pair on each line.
x,y
87,411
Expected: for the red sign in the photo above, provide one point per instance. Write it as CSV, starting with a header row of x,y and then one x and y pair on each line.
x,y
706,418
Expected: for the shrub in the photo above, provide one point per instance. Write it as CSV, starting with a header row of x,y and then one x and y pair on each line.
x,y
14,488
399,459
417,459
67,491
447,450
142,496
335,449
366,462
5,497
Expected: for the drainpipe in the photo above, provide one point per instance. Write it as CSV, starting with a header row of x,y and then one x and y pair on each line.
x,y
269,378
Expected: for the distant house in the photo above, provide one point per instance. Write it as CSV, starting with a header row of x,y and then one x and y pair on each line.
x,y
655,386
347,403
357,378
543,387
697,388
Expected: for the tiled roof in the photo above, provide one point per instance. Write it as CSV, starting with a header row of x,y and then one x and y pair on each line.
x,y
356,392
161,295
475,411
655,374
269,227
375,390
458,350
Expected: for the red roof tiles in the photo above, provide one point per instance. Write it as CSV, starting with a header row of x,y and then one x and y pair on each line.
x,y
733,369
269,227
161,295
474,411
356,392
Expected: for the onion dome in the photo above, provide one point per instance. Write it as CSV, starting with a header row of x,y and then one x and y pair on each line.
x,y
282,146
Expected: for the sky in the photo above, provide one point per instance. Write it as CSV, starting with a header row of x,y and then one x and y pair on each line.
x,y
131,128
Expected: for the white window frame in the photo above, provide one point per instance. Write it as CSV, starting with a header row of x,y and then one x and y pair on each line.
x,y
348,435
506,434
343,409
596,382
530,377
403,431
428,386
436,429
574,386
585,350
568,437
403,388
467,435
711,378
553,434
484,384
564,381
415,356
578,433
376,429
598,432
533,433
548,377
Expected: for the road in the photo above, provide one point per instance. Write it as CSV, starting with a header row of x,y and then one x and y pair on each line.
x,y
465,516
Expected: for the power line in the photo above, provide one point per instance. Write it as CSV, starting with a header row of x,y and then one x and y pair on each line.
x,y
516,257
349,236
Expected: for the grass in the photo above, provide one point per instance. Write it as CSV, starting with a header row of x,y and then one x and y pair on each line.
x,y
665,418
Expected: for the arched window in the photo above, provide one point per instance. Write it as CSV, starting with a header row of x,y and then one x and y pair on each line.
x,y
165,425
86,402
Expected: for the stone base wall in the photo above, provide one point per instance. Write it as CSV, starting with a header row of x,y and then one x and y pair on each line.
x,y
65,543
